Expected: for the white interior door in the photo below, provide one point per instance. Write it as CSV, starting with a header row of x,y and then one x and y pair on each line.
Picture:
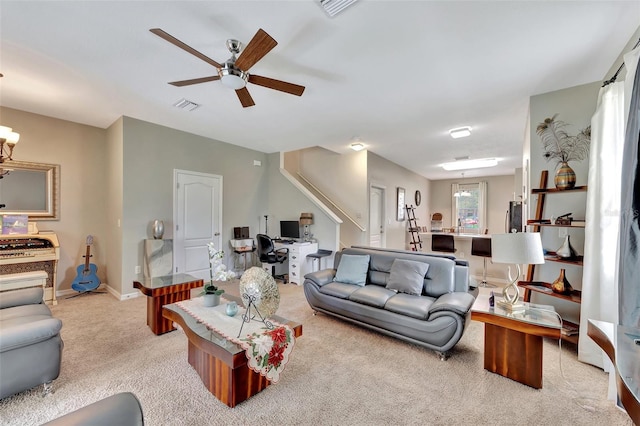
x,y
198,221
376,217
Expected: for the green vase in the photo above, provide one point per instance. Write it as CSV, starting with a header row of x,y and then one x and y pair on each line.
x,y
565,177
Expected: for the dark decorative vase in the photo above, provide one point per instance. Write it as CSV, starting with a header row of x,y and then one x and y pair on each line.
x,y
565,177
561,284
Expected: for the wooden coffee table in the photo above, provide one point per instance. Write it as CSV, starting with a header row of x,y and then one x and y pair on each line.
x,y
513,342
221,364
162,291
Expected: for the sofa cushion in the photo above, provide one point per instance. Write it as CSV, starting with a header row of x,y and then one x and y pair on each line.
x,y
372,295
410,305
407,276
341,290
353,269
24,311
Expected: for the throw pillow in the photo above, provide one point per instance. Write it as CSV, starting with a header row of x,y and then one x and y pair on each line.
x,y
407,276
352,269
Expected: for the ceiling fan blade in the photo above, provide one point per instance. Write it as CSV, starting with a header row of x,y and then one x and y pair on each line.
x,y
272,83
194,81
245,98
171,39
260,45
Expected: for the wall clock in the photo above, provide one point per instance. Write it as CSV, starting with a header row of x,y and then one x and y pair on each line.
x,y
418,198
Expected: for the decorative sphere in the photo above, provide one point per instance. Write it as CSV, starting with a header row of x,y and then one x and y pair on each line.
x,y
262,288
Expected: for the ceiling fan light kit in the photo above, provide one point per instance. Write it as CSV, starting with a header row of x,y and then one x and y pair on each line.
x,y
234,73
460,132
470,164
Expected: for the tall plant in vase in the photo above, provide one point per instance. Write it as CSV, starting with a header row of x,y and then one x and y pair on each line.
x,y
217,272
562,147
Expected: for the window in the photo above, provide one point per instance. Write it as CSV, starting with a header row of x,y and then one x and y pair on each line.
x,y
468,207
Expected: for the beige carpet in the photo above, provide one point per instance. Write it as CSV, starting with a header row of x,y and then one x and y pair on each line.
x,y
339,374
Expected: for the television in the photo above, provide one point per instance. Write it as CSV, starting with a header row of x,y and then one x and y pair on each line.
x,y
289,230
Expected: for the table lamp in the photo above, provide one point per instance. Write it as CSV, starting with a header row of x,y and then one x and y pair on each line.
x,y
306,219
516,248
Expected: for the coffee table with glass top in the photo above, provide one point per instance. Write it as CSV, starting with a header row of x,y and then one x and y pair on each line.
x,y
221,364
513,341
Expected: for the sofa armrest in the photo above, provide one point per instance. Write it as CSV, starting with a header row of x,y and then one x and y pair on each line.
x,y
23,296
458,302
121,409
321,277
30,333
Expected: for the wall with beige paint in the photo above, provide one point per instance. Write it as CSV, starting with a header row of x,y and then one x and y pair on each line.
x,y
80,152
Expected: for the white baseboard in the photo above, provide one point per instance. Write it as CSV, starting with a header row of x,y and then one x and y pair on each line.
x,y
102,286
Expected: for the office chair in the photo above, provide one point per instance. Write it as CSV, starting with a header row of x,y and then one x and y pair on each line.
x,y
268,254
442,242
482,247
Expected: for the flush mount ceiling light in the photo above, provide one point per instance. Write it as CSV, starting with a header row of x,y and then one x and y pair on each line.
x,y
470,164
460,132
357,146
333,7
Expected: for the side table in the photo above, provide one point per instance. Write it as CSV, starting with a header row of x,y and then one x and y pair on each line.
x,y
513,341
162,291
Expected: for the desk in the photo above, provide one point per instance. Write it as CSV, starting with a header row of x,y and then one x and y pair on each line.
x,y
299,265
617,342
162,291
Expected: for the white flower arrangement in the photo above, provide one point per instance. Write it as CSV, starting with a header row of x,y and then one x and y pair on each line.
x,y
217,270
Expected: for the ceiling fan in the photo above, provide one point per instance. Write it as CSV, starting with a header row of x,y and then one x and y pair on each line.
x,y
233,72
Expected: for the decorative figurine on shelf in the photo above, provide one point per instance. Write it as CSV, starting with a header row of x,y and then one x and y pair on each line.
x,y
561,147
217,272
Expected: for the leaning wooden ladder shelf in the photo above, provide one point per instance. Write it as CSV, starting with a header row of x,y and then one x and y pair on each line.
x,y
414,230
570,329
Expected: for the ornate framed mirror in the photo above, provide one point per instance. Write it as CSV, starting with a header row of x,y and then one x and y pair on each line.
x,y
30,188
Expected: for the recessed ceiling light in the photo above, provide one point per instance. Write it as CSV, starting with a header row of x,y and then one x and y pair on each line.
x,y
470,164
357,146
460,132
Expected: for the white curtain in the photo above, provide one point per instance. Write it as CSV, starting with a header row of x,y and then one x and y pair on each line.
x,y
601,257
482,207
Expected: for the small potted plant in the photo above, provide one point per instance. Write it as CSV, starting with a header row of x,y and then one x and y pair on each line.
x,y
562,147
217,272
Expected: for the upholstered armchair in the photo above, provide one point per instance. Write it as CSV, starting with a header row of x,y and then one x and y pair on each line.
x,y
30,343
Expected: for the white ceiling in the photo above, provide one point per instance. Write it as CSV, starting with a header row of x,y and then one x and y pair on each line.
x,y
397,74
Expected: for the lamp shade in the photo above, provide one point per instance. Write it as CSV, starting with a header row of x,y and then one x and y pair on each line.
x,y
306,218
518,247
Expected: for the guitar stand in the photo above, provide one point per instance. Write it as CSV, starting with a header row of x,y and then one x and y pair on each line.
x,y
86,292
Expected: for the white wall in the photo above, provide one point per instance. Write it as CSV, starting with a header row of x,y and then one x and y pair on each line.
x,y
574,105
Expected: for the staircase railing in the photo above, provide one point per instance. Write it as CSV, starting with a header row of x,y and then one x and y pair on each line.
x,y
334,205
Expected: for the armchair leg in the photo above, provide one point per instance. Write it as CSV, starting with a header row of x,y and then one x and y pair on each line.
x,y
47,388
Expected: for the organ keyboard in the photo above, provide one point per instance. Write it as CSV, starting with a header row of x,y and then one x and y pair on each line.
x,y
31,252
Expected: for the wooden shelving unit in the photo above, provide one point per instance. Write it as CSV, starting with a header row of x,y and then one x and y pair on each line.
x,y
569,329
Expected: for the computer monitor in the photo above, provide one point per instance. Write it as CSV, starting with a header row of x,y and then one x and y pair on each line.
x,y
289,229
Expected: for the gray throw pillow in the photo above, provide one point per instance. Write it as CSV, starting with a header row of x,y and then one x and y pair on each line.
x,y
352,269
407,276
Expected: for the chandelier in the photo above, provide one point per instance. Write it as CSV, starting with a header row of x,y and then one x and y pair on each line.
x,y
8,140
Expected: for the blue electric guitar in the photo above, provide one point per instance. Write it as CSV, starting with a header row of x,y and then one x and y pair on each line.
x,y
87,280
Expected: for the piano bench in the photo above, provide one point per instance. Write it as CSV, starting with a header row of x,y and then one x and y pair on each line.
x,y
23,280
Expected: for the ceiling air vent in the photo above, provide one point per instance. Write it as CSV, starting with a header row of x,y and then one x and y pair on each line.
x,y
333,7
186,104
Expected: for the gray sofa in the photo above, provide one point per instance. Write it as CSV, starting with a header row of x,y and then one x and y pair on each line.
x,y
30,343
121,409
436,318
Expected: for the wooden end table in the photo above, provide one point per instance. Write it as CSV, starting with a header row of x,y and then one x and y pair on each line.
x,y
162,291
221,364
513,341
